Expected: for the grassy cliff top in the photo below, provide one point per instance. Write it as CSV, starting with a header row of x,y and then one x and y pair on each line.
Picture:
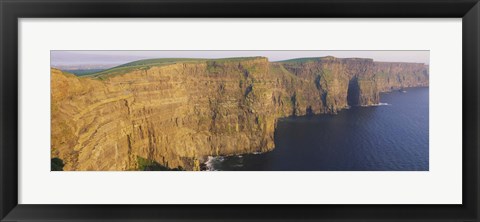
x,y
147,63
306,59
314,59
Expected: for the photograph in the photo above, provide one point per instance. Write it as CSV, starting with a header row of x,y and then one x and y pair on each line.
x,y
239,110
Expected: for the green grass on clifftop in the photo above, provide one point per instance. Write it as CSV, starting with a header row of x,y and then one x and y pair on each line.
x,y
148,63
324,58
300,60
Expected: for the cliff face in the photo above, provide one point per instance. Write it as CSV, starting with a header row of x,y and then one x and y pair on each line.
x,y
177,114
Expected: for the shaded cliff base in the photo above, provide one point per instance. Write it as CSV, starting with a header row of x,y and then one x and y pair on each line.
x,y
56,164
142,165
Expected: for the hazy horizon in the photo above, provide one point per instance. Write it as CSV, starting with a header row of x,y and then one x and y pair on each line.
x,y
108,58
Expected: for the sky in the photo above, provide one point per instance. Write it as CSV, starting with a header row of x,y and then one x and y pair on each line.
x,y
60,58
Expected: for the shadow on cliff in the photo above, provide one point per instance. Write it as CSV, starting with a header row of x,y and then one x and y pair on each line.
x,y
151,165
56,164
353,92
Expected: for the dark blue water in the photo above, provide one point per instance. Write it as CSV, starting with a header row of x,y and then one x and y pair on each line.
x,y
392,136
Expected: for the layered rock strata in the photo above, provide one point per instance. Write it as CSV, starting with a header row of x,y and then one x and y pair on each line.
x,y
177,114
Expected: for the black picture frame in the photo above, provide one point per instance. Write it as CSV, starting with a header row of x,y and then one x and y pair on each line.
x,y
12,10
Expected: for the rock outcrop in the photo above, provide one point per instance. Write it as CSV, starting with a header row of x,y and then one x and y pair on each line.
x,y
176,114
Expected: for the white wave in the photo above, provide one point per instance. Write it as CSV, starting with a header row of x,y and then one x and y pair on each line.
x,y
211,161
378,104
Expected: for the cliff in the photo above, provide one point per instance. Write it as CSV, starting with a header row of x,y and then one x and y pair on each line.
x,y
176,113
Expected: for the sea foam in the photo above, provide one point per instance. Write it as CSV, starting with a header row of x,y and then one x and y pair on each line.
x,y
212,161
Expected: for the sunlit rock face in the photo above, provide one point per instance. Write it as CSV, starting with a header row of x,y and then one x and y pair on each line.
x,y
178,114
